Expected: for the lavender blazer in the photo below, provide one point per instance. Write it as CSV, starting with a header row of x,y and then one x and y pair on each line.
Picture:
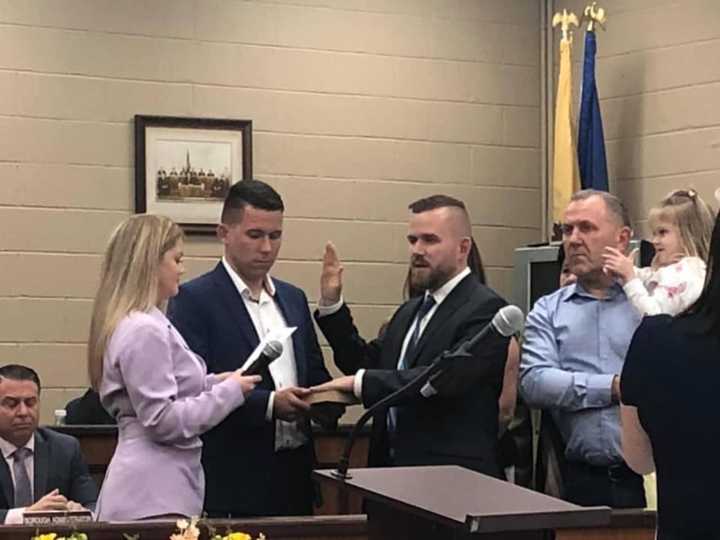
x,y
160,394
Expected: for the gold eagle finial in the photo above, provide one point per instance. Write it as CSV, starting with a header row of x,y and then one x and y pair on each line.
x,y
565,19
594,15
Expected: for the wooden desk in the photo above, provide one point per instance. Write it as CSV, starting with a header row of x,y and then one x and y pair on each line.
x,y
447,501
98,445
426,503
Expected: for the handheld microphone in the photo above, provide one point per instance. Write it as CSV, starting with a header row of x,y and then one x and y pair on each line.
x,y
506,322
271,352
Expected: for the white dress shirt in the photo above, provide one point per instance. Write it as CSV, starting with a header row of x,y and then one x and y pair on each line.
x,y
266,316
15,515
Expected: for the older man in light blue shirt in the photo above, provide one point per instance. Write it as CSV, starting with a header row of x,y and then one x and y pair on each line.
x,y
573,352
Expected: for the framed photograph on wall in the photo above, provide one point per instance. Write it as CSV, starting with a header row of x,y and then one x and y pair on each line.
x,y
184,167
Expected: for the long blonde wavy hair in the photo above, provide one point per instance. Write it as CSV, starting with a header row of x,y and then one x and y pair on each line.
x,y
128,279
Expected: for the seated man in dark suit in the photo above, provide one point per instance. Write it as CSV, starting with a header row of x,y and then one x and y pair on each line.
x,y
40,469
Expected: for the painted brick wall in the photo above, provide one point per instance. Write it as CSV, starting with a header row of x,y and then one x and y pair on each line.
x,y
358,108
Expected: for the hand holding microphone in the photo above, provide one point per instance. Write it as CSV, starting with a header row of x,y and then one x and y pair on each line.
x,y
250,376
288,403
247,382
272,351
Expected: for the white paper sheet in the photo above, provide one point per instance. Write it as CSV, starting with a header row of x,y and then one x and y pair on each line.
x,y
277,334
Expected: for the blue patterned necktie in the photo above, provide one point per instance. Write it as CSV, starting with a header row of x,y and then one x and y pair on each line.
x,y
23,489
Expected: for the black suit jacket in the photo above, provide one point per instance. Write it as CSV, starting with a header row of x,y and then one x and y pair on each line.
x,y
459,425
239,453
58,465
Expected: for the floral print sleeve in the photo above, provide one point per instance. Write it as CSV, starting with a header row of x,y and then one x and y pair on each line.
x,y
671,289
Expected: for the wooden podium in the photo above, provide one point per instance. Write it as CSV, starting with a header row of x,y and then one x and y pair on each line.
x,y
453,502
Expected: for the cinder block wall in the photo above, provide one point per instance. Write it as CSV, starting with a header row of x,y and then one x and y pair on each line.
x,y
658,78
358,107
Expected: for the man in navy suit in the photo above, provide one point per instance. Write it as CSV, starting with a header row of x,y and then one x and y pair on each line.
x,y
40,469
258,461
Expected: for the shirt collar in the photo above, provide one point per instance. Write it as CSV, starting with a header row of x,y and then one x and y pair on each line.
x,y
7,448
576,289
443,292
241,286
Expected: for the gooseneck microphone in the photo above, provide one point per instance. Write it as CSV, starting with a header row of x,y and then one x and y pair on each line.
x,y
506,322
271,352
509,320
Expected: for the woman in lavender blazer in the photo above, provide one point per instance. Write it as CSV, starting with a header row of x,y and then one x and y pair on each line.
x,y
155,387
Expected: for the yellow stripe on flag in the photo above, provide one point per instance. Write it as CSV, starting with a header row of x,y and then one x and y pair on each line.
x,y
566,179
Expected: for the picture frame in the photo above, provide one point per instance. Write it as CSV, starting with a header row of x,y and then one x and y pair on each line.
x,y
184,167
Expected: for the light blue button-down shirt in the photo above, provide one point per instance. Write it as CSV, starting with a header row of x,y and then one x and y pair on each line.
x,y
574,345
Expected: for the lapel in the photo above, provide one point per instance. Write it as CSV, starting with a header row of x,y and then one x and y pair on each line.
x,y
401,324
235,304
454,301
6,482
41,465
292,318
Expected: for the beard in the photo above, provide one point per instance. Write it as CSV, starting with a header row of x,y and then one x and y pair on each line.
x,y
423,277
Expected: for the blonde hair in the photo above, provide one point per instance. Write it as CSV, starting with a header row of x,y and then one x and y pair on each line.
x,y
128,279
691,215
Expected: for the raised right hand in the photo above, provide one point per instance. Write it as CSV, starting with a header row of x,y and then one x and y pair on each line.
x,y
331,277
51,501
247,382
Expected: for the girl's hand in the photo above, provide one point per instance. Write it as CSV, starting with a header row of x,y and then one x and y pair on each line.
x,y
619,265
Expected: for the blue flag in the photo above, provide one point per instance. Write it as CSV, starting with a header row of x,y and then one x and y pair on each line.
x,y
591,142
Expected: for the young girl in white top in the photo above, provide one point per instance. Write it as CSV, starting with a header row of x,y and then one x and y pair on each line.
x,y
681,228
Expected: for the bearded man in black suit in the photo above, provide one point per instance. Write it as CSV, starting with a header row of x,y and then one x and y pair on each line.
x,y
458,425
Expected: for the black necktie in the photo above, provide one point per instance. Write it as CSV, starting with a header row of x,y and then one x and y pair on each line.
x,y
425,307
23,490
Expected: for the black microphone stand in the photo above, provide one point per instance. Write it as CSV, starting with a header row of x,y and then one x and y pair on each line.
x,y
442,362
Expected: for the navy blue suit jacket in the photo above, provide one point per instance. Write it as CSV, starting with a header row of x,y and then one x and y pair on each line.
x,y
238,453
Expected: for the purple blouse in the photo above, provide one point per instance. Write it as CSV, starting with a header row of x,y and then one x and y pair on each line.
x,y
159,392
